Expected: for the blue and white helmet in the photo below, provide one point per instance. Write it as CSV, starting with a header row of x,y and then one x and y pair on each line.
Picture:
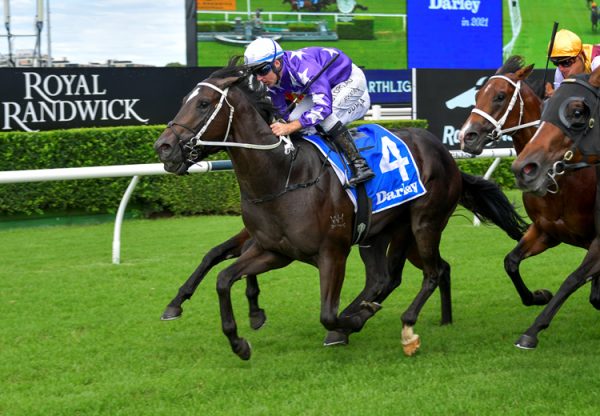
x,y
262,50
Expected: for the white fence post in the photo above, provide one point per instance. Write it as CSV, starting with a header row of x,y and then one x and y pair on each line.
x,y
116,247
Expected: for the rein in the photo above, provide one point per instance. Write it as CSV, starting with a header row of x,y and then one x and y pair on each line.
x,y
288,187
560,167
196,141
498,124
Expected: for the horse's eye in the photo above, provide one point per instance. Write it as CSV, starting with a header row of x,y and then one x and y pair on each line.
x,y
203,104
500,97
578,117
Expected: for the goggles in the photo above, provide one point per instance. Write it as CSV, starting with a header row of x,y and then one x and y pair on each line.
x,y
565,63
264,70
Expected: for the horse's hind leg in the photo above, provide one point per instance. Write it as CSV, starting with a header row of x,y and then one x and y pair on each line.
x,y
443,284
533,243
435,270
256,314
445,294
595,293
229,249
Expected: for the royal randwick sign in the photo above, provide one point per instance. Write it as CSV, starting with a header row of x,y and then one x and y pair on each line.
x,y
48,99
54,98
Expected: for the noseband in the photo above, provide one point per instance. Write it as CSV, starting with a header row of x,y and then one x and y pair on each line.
x,y
498,124
196,141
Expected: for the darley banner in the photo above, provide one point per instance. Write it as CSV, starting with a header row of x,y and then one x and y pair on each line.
x,y
454,34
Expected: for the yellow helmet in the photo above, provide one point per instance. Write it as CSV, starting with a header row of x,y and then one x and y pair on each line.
x,y
566,43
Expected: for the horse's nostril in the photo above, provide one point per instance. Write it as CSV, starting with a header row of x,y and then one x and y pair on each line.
x,y
530,169
469,137
164,148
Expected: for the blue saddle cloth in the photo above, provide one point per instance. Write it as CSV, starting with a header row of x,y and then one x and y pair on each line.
x,y
397,177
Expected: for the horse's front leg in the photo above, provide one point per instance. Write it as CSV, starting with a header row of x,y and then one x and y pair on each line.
x,y
229,249
253,261
332,269
531,244
588,270
365,305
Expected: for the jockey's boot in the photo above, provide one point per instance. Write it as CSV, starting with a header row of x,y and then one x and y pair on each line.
x,y
361,170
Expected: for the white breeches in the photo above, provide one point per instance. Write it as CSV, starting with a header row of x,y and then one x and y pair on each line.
x,y
351,102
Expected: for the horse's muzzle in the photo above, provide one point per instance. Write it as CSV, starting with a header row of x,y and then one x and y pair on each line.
x,y
171,155
471,142
530,177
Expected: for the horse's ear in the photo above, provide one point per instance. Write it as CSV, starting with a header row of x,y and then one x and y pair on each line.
x,y
523,73
595,78
227,82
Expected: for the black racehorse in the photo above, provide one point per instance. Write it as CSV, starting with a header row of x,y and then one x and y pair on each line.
x,y
566,141
295,208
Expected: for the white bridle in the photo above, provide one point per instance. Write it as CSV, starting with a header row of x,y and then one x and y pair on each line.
x,y
289,147
498,124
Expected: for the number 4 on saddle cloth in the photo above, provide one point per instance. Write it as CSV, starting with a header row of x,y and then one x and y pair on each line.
x,y
397,179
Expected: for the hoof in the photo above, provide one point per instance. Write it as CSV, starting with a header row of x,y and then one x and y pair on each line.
x,y
243,349
171,313
542,297
411,346
335,338
257,319
526,342
374,307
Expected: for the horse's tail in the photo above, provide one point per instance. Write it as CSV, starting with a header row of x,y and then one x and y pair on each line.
x,y
487,201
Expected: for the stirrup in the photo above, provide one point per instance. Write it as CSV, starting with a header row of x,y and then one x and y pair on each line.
x,y
361,175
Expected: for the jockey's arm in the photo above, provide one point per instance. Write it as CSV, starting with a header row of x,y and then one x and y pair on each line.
x,y
285,129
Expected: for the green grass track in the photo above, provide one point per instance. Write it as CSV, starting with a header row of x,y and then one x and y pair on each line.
x,y
81,336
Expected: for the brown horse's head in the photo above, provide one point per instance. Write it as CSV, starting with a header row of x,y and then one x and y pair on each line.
x,y
504,101
206,115
567,136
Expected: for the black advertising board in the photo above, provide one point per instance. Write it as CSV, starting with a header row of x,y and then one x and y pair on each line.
x,y
36,99
445,99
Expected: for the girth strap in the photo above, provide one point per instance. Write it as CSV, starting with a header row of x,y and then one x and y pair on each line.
x,y
362,219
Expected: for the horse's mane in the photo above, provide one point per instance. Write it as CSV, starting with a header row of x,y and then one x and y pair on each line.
x,y
515,63
255,90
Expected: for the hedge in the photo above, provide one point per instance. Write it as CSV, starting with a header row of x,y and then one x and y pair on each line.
x,y
207,27
214,193
302,27
360,28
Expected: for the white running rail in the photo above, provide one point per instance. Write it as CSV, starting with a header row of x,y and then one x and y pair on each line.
x,y
135,171
40,175
515,24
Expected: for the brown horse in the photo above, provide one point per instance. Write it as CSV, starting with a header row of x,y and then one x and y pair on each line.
x,y
295,208
566,141
507,103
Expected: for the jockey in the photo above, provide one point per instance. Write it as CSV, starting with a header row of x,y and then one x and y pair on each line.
x,y
571,57
335,98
